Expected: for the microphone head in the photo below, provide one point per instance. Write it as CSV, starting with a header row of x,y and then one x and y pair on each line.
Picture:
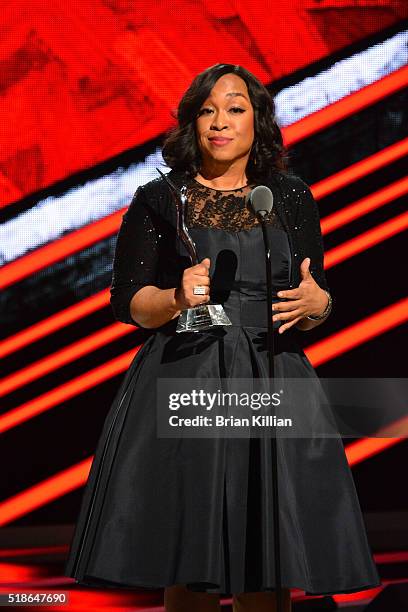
x,y
261,200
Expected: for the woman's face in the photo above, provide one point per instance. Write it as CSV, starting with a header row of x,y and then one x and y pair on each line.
x,y
225,122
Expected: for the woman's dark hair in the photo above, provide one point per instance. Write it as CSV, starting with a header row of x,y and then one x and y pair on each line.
x,y
180,149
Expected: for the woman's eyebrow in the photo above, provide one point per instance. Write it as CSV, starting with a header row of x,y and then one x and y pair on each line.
x,y
235,93
232,94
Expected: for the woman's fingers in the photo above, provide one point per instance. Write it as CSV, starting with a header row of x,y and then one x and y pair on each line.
x,y
199,279
197,275
286,306
284,316
284,310
286,326
291,294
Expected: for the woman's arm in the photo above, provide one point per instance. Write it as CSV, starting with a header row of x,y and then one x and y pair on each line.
x,y
312,244
304,307
135,295
152,307
310,297
136,259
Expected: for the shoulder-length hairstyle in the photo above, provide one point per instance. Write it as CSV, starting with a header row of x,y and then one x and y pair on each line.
x,y
180,149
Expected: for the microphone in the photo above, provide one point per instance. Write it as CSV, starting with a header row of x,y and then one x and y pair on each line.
x,y
261,200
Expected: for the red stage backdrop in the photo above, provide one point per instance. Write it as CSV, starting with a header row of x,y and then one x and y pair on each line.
x,y
87,91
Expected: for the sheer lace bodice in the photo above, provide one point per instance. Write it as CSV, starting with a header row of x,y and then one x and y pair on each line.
x,y
218,221
223,209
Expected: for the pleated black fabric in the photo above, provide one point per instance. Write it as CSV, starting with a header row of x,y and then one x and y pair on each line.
x,y
161,511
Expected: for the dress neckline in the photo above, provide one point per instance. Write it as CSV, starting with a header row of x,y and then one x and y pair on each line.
x,y
220,190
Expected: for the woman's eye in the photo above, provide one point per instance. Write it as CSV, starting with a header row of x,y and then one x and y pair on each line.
x,y
233,108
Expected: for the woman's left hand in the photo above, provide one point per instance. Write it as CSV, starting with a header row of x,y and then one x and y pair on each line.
x,y
307,299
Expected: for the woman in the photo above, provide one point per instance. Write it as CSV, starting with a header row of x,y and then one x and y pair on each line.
x,y
194,515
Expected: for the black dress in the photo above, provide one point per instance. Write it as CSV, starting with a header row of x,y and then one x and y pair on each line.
x,y
160,511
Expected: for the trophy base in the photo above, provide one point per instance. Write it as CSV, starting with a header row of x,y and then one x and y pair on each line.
x,y
202,317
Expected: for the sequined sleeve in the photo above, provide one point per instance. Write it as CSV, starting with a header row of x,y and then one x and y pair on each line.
x,y
309,233
135,262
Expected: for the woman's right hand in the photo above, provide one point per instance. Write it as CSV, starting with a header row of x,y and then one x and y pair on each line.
x,y
195,275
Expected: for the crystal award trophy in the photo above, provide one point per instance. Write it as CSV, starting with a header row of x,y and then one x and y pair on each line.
x,y
202,316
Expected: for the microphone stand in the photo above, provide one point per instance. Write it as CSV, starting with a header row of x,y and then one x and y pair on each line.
x,y
271,353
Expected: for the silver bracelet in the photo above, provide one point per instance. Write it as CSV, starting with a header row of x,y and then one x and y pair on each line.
x,y
325,312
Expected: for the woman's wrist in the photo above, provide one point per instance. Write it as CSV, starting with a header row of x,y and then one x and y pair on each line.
x,y
325,310
175,304
307,322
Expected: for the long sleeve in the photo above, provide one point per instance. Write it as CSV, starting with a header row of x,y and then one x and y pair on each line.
x,y
135,262
310,238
